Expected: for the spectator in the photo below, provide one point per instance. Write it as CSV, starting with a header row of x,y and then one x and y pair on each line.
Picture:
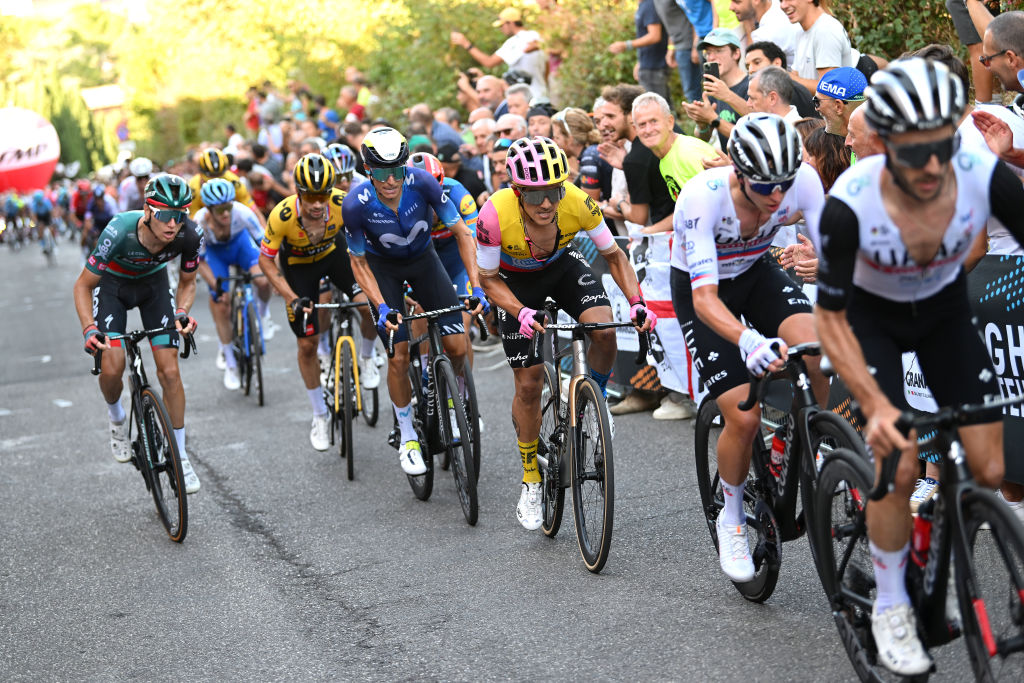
x,y
538,120
830,155
262,156
252,109
617,135
451,160
651,44
861,139
478,114
679,52
518,99
681,156
348,102
762,54
437,130
520,51
574,132
352,133
511,127
451,116
496,177
725,97
840,91
421,143
483,130
1003,48
702,17
970,37
235,140
771,91
823,45
772,25
491,93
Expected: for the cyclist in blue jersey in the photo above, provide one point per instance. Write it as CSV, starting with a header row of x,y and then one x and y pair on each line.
x,y
41,210
388,224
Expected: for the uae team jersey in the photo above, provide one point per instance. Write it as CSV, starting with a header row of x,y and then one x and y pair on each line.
x,y
372,226
708,244
286,232
501,235
119,252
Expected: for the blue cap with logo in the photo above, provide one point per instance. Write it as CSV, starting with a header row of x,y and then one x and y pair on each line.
x,y
845,83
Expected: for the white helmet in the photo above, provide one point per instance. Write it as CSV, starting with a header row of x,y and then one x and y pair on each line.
x,y
765,148
141,167
914,94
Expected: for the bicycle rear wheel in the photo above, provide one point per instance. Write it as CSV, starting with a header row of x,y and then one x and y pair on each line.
x,y
254,370
550,446
344,401
167,483
990,587
422,485
593,480
451,413
472,417
766,548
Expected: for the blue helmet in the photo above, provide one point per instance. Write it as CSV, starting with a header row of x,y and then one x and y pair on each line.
x,y
38,195
217,191
341,157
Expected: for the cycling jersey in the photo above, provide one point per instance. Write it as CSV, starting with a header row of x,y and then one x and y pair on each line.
x,y
861,247
41,206
196,182
128,196
101,210
459,196
708,244
285,231
501,233
119,252
371,226
242,219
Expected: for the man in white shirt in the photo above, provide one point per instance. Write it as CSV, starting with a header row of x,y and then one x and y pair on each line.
x,y
823,45
520,51
769,23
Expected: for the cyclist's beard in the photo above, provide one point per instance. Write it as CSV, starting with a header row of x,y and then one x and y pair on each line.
x,y
905,187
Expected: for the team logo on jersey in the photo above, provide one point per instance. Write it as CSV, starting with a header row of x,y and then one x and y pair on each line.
x,y
467,205
965,161
714,184
364,196
390,240
855,186
713,356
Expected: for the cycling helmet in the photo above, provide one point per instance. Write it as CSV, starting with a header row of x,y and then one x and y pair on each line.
x,y
38,195
914,94
98,190
314,173
217,191
168,191
385,148
429,163
84,186
213,162
536,162
341,157
141,167
765,148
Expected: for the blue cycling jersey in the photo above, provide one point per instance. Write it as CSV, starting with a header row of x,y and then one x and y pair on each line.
x,y
41,205
459,196
372,227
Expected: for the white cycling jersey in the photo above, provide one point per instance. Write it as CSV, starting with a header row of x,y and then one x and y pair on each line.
x,y
707,242
242,218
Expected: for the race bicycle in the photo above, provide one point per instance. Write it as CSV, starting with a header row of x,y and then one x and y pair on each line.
x,y
247,330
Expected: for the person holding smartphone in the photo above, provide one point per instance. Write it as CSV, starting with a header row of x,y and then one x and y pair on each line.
x,y
725,87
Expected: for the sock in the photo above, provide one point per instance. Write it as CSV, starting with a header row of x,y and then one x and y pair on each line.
x,y
602,380
890,569
323,349
461,382
733,512
229,356
528,452
261,308
366,347
179,436
404,415
116,412
316,399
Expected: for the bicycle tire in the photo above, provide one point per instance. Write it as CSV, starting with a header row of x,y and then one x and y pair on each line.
x,y
257,357
460,454
246,344
369,400
762,530
845,566
422,485
472,417
991,595
164,465
550,445
345,386
239,348
593,475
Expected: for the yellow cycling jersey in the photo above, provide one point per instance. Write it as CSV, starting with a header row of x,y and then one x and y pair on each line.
x,y
285,231
241,194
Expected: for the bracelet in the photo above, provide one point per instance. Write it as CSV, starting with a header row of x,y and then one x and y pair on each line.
x,y
716,123
619,207
629,44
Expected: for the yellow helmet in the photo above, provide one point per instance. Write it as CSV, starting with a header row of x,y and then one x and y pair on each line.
x,y
314,173
213,162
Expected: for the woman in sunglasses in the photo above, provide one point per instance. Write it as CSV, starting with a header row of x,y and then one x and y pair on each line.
x,y
725,221
525,254
126,270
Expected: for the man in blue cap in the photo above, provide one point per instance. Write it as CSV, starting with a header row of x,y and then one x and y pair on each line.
x,y
839,92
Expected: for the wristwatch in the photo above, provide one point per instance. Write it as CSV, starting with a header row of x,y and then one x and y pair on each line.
x,y
716,123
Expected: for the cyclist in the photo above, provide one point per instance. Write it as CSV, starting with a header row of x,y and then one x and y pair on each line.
x,y
99,211
344,161
387,220
128,270
232,232
307,229
894,234
724,222
129,194
41,212
213,163
525,254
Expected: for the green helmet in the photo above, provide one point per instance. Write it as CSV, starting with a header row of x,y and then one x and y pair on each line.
x,y
168,191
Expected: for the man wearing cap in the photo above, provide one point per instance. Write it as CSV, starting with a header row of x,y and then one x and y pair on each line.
x,y
520,51
725,98
651,45
538,120
451,161
839,92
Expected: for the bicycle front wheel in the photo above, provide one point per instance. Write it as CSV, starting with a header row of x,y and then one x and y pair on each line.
x,y
549,446
451,418
167,483
593,481
472,417
344,399
254,367
990,587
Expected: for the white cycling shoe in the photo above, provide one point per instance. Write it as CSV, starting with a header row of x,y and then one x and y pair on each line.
x,y
369,375
410,457
318,433
189,475
119,444
899,648
529,508
734,551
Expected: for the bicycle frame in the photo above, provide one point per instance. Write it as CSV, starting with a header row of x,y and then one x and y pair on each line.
x,y
436,351
242,297
341,308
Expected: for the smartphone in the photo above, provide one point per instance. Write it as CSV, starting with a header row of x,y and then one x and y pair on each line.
x,y
711,68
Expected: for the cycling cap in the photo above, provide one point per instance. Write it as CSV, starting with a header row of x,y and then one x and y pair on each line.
x,y
217,191
429,163
213,162
385,148
536,162
765,148
168,192
341,157
141,167
314,174
914,94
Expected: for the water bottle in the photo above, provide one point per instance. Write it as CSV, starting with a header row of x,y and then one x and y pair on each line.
x,y
778,452
922,535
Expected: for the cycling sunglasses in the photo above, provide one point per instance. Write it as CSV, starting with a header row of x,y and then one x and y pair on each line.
x,y
537,197
765,189
168,215
382,174
918,155
345,176
316,197
221,208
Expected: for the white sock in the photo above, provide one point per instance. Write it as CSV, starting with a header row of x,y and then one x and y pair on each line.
x,y
229,355
734,514
316,399
323,349
261,308
366,347
404,416
179,436
116,412
890,570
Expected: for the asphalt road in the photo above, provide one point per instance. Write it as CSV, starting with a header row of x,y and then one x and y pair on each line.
x,y
290,571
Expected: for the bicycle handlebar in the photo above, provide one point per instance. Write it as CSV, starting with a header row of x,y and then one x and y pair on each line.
x,y
136,336
759,383
393,319
641,318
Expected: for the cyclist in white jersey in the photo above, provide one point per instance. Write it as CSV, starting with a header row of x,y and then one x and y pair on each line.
x,y
894,234
725,220
129,194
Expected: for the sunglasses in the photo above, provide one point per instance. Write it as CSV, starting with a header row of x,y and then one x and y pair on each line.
x,y
766,189
918,155
537,197
987,59
223,208
382,174
168,215
316,197
345,176
560,118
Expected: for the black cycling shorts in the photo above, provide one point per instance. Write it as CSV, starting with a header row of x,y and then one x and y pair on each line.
x,y
950,352
151,294
304,279
763,295
568,280
431,288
